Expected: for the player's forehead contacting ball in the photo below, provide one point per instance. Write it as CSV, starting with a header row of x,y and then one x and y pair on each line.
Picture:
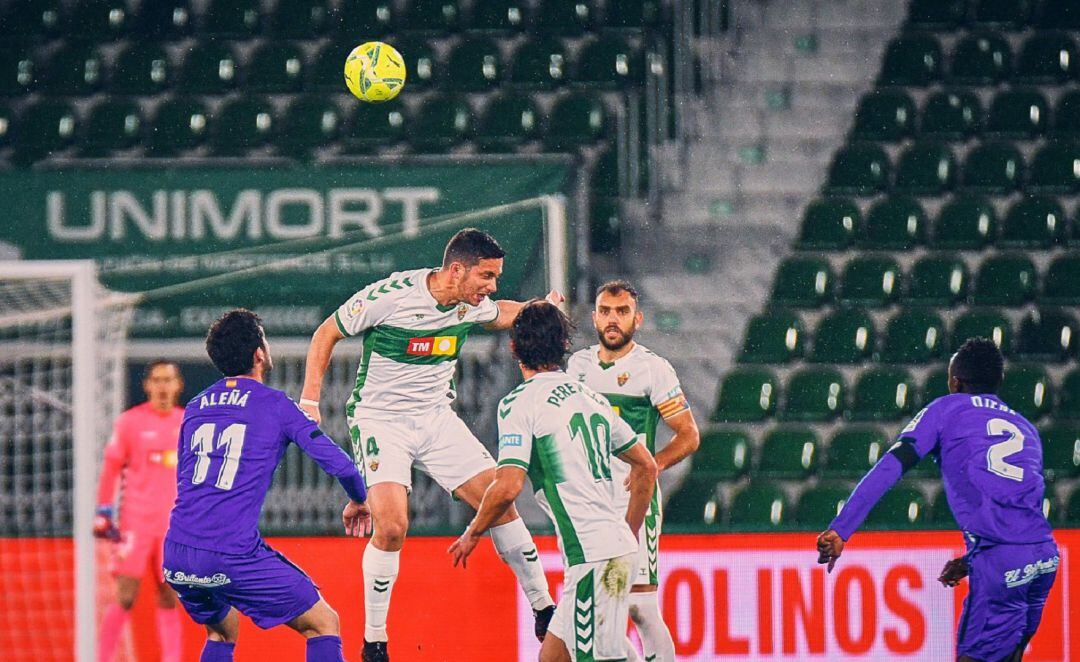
x,y
375,71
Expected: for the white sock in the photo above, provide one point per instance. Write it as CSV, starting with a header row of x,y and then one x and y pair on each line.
x,y
516,547
380,573
631,652
655,638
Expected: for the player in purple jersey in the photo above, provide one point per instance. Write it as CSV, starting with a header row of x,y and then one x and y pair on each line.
x,y
991,466
232,438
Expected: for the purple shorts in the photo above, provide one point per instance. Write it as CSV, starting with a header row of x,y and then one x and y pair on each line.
x,y
1009,585
263,585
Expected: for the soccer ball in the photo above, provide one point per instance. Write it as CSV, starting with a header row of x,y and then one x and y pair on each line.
x,y
375,71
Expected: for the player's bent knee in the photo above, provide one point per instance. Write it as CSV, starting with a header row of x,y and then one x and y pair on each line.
x,y
319,621
390,535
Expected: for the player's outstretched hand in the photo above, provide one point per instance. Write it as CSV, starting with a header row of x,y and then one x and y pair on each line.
x,y
555,298
829,546
462,547
104,528
953,572
357,519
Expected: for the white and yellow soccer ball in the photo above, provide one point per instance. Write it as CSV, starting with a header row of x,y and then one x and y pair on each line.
x,y
375,71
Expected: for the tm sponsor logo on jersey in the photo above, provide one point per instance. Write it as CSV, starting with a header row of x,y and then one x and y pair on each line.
x,y
432,346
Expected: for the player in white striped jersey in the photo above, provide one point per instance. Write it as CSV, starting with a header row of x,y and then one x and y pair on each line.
x,y
644,389
563,436
413,326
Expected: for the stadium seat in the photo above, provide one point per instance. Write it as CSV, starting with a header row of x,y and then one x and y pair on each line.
x,y
1018,113
604,180
926,168
853,450
540,64
605,225
902,506
965,222
77,69
609,61
773,337
1056,168
441,123
280,68
424,69
509,120
475,65
723,455
565,17
882,394
1051,505
44,127
746,395
242,125
803,282
818,505
100,20
1047,335
180,124
859,169
1007,14
499,15
164,19
993,167
1028,390
940,515
1062,283
1069,402
312,123
914,336
829,223
7,125
1067,116
694,503
578,118
20,69
845,336
112,125
884,114
936,14
376,18
327,68
871,281
760,505
232,18
1033,222
634,14
143,68
1047,58
952,115
896,222
1005,280
1072,513
1059,15
212,68
935,385
373,126
301,19
984,323
813,394
788,452
912,59
982,58
39,18
937,280
432,15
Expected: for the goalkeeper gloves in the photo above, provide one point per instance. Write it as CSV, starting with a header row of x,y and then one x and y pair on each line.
x,y
103,524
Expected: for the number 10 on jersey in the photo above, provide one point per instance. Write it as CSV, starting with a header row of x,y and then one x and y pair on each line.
x,y
204,443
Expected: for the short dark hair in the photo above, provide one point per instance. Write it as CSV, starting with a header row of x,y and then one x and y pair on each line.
x,y
469,246
615,287
541,335
232,341
149,368
979,365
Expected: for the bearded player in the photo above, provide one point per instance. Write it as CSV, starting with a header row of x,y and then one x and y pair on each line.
x,y
142,452
643,389
413,325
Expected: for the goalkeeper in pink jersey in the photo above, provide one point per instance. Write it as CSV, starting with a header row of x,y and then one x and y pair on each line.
x,y
142,452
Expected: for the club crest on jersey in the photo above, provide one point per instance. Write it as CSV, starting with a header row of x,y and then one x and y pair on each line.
x,y
373,465
623,378
461,310
432,346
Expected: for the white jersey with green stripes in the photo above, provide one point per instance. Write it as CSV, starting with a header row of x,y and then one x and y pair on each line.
x,y
567,438
411,343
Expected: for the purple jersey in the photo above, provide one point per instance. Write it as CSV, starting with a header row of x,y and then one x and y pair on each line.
x,y
232,438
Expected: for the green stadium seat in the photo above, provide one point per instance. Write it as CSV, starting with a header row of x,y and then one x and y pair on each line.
x,y
1047,58
212,68
965,222
605,225
760,505
940,514
242,125
1056,169
375,18
694,503
914,336
818,505
1007,14
803,282
853,450
301,19
983,323
993,167
884,114
143,68
180,124
233,18
859,169
20,69
540,64
1018,113
1047,335
935,385
982,58
845,336
882,394
773,337
1005,280
723,455
565,17
101,20
912,59
895,222
7,125
432,15
441,123
902,506
376,125
634,14
509,120
313,122
44,127
1033,222
871,281
829,223
813,394
77,69
1059,15
499,15
1051,506
327,67
1028,390
1069,402
788,452
746,395
609,61
1067,116
475,65
112,125
280,68
1072,513
44,18
577,119
1062,283
926,168
952,115
604,178
936,14
937,280
164,20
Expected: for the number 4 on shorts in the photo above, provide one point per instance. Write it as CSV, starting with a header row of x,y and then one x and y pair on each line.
x,y
371,448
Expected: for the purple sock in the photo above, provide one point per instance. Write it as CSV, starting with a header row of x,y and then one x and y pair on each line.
x,y
326,648
217,651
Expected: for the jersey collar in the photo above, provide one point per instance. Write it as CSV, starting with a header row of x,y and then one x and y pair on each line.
x,y
429,296
604,365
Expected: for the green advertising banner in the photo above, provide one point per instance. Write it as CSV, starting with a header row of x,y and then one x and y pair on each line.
x,y
289,242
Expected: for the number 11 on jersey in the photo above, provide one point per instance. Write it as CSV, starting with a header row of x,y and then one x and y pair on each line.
x,y
203,444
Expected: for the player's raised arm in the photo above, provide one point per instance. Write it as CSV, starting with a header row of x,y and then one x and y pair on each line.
x,y
643,471
508,310
299,427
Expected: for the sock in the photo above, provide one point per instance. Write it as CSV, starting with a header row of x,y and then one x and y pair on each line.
x,y
217,651
112,628
380,573
655,638
326,648
168,628
516,547
631,652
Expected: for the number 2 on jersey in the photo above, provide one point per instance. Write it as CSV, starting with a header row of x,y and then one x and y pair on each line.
x,y
203,444
996,454
595,438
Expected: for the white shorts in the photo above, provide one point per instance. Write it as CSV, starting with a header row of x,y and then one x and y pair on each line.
x,y
593,608
649,543
439,444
